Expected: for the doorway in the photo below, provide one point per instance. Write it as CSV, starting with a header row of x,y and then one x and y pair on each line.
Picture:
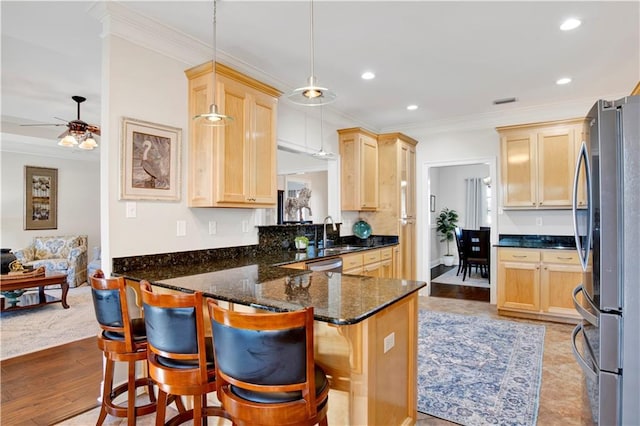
x,y
437,195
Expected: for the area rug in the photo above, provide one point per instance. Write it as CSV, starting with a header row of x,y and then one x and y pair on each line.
x,y
473,280
30,330
479,371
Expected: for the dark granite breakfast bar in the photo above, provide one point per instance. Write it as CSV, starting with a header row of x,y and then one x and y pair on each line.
x,y
365,331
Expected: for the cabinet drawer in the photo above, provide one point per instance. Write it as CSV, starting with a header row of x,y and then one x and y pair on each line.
x,y
561,256
386,253
371,256
519,255
350,261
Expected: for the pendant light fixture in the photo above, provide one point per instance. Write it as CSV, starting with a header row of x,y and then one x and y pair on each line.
x,y
312,94
322,154
213,118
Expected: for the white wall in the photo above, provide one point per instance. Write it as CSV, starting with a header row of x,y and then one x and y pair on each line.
x,y
149,86
78,198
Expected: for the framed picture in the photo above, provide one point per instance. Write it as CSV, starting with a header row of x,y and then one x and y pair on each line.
x,y
41,198
150,161
432,203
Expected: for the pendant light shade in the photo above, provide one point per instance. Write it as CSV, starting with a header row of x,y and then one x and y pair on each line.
x,y
322,154
213,118
312,94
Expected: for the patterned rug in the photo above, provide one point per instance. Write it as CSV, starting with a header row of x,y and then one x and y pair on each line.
x,y
474,279
30,330
479,371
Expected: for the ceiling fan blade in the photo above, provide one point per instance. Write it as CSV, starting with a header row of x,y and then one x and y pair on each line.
x,y
61,119
43,124
63,134
94,129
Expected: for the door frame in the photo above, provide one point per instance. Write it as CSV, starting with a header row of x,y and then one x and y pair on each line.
x,y
424,242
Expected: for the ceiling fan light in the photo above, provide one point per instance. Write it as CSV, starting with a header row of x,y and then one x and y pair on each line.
x,y
89,143
68,141
213,118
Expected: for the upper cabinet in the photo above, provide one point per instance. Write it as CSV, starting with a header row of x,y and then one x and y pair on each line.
x,y
235,165
359,169
538,163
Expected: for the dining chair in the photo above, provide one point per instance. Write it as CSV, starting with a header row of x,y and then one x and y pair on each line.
x,y
122,339
180,356
460,246
265,368
476,252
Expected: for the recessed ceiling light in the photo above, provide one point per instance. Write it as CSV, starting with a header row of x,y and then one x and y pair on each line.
x,y
565,80
570,24
412,107
368,75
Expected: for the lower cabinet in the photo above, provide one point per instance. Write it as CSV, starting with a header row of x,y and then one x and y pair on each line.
x,y
538,283
371,263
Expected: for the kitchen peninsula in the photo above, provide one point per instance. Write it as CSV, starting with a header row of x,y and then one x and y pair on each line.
x,y
365,328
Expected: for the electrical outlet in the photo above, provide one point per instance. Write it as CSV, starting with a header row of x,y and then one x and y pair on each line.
x,y
131,209
213,227
245,226
539,221
181,228
389,342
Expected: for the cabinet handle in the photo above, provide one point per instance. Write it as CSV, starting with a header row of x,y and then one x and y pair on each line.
x,y
564,258
537,267
520,256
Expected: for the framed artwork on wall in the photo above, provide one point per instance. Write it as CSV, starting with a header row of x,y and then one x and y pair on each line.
x,y
150,161
41,198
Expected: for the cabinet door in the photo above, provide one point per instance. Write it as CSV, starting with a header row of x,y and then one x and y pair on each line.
x,y
519,172
582,135
556,167
557,284
407,251
201,147
407,181
386,269
519,286
368,173
233,147
262,155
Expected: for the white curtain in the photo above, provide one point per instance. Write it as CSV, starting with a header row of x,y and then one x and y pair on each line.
x,y
474,209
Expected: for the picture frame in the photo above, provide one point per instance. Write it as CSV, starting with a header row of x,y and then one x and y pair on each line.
x,y
150,161
432,203
41,198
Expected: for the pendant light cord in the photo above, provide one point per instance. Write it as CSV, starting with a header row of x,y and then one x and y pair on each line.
x,y
313,76
213,89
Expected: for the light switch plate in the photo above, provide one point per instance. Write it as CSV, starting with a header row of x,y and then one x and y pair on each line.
x,y
181,228
131,209
245,226
213,227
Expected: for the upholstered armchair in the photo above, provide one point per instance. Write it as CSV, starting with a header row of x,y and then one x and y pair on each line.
x,y
66,254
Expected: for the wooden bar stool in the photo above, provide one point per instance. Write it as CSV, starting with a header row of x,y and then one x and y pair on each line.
x,y
265,369
122,339
180,356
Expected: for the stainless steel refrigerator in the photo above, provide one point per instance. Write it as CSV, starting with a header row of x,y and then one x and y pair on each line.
x,y
606,343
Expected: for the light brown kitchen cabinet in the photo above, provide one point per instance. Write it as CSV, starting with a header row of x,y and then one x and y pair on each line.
x,y
538,283
234,165
359,169
372,263
396,214
538,163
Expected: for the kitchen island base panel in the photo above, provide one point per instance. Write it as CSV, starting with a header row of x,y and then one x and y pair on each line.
x,y
371,386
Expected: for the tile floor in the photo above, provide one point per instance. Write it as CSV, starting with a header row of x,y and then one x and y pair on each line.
x,y
562,398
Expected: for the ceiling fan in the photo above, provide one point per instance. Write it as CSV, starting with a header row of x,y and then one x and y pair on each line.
x,y
78,132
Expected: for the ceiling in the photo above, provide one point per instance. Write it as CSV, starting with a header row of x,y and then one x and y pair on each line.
x,y
452,59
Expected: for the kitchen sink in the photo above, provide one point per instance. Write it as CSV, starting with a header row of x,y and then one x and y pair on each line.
x,y
341,249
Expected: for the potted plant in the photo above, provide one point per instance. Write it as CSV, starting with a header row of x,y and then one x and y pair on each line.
x,y
445,225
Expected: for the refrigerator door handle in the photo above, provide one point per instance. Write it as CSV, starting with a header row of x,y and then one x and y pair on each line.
x,y
593,319
583,251
589,370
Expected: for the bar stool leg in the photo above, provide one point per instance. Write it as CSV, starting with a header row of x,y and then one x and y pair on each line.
x,y
131,394
106,390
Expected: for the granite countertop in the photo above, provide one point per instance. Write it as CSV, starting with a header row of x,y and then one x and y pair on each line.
x,y
556,242
258,279
336,298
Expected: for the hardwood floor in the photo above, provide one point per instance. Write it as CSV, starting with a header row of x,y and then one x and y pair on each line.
x,y
48,386
454,291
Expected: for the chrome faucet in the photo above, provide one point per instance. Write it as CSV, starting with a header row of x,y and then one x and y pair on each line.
x,y
324,227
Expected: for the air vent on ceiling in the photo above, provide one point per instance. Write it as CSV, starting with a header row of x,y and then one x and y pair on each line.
x,y
504,101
